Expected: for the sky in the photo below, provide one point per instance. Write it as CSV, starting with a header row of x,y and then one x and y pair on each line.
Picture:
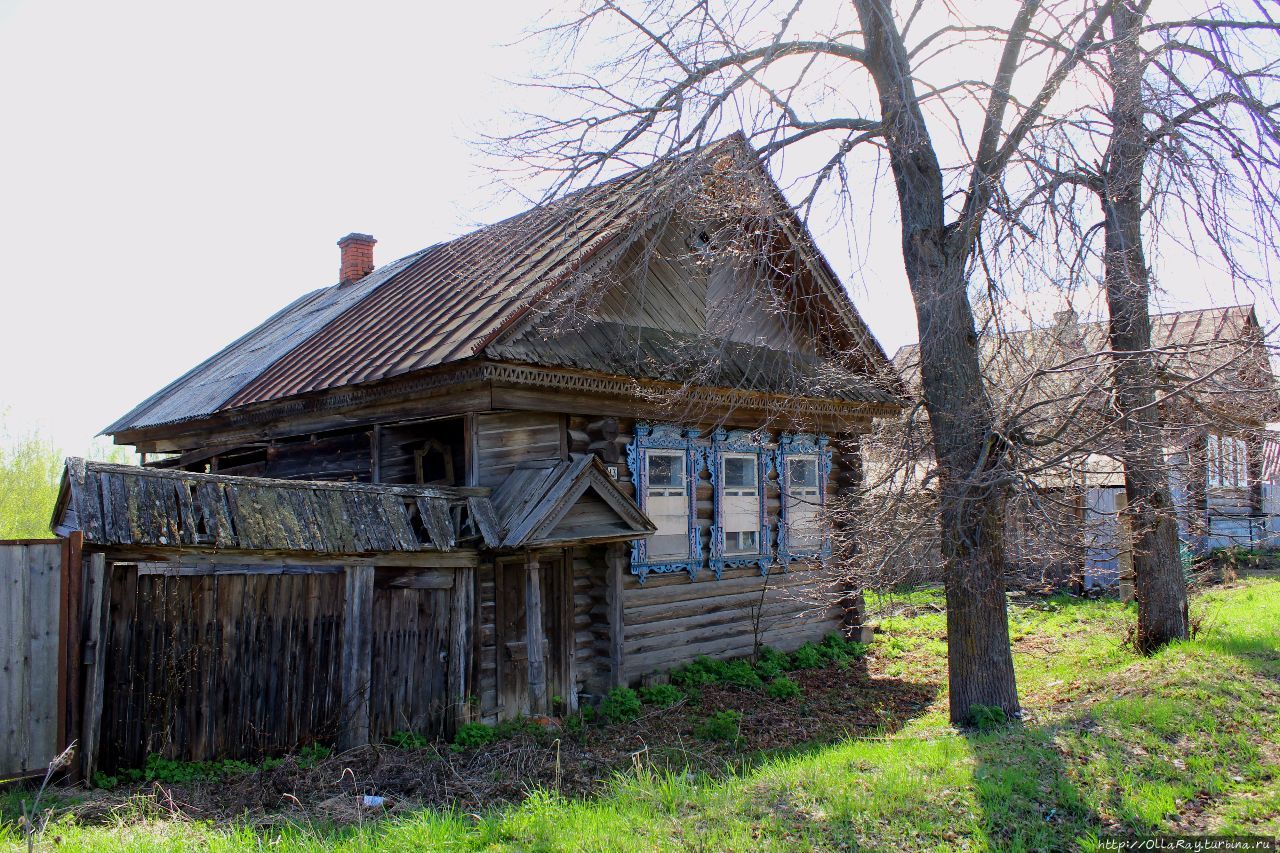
x,y
172,173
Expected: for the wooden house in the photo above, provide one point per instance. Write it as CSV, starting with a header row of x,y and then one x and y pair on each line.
x,y
1216,394
598,439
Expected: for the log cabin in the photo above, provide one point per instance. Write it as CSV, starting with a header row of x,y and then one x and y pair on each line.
x,y
613,421
1216,394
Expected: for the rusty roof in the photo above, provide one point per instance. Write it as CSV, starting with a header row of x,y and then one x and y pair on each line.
x,y
447,302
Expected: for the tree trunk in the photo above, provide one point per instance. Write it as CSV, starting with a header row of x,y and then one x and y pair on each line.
x,y
1159,584
972,490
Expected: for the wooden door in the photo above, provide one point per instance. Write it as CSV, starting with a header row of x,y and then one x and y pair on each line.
x,y
512,641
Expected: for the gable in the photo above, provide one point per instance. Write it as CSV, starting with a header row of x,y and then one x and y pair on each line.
x,y
590,517
575,500
670,281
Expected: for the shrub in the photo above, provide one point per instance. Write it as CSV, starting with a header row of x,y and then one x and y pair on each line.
x,y
770,663
782,688
702,671
407,740
808,656
662,695
987,717
722,726
470,735
621,705
741,673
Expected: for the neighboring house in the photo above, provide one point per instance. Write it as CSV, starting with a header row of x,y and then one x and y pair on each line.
x,y
1051,386
614,438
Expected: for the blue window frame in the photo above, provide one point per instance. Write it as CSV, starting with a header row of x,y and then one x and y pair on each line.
x,y
804,466
740,533
665,462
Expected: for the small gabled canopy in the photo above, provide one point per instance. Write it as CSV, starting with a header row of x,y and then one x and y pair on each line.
x,y
546,503
123,505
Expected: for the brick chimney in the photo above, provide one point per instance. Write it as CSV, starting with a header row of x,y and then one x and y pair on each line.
x,y
357,257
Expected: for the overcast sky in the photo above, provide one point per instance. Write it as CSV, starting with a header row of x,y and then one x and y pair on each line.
x,y
171,173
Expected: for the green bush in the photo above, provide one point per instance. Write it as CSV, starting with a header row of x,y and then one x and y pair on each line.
x,y
770,663
722,726
702,671
782,688
740,673
408,740
471,735
808,656
621,705
662,695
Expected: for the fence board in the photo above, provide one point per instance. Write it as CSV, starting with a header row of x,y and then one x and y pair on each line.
x,y
30,605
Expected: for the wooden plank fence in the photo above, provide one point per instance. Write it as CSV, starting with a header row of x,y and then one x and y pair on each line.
x,y
31,618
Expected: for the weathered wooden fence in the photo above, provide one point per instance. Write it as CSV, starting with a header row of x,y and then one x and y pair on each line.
x,y
209,665
31,689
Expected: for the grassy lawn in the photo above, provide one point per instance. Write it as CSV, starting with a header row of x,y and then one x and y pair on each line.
x,y
1187,741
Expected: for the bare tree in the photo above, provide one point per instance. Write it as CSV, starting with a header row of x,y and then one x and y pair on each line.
x,y
1188,129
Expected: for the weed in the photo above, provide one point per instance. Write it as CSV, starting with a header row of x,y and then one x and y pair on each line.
x,y
770,663
408,740
621,705
808,656
782,688
740,673
723,726
662,695
471,735
985,718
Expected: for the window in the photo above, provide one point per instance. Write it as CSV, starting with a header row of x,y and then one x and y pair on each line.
x,y
804,463
740,531
1226,462
803,501
667,504
665,463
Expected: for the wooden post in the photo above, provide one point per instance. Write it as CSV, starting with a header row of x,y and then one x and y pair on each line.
x,y
1124,548
461,606
616,566
357,652
375,454
536,637
96,591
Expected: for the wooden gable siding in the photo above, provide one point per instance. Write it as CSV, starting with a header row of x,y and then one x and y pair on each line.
x,y
504,439
658,284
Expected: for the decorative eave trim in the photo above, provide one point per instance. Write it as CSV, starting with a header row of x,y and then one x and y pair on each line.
x,y
451,378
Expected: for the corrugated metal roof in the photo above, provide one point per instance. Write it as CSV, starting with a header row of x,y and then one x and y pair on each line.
x,y
442,304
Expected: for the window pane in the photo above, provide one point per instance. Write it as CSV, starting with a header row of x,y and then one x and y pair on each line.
x,y
666,470
803,472
739,472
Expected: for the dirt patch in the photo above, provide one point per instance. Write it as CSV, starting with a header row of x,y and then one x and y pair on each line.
x,y
834,702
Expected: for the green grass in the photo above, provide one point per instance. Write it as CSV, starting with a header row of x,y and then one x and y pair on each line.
x,y
1185,741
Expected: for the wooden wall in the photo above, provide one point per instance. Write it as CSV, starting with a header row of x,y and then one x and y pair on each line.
x,y
408,685
503,439
30,598
670,619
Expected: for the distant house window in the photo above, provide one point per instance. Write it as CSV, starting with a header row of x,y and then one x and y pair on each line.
x,y
804,463
740,532
1226,462
665,462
